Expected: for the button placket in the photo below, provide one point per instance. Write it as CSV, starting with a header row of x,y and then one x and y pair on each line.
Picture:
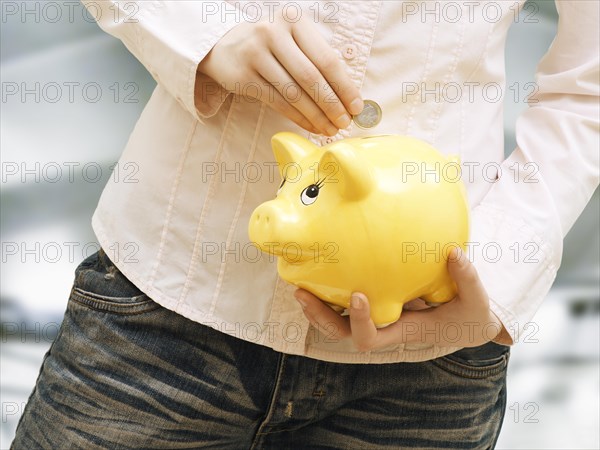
x,y
353,42
353,39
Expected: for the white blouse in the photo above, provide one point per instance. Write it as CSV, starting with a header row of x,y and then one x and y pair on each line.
x,y
179,230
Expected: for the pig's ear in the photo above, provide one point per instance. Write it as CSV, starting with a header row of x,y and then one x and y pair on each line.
x,y
342,165
290,148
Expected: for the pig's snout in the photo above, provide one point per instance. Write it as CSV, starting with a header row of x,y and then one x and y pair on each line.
x,y
265,217
262,218
263,225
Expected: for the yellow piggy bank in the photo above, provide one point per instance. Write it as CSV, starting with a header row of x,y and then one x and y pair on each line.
x,y
378,215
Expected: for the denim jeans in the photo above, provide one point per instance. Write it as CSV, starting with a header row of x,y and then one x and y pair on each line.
x,y
126,373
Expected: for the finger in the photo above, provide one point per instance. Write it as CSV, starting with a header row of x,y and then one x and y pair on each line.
x,y
415,304
364,332
293,94
470,288
367,336
275,100
304,72
420,326
326,60
322,316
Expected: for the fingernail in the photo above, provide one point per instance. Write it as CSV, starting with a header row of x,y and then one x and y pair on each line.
x,y
331,130
343,121
356,302
302,302
356,106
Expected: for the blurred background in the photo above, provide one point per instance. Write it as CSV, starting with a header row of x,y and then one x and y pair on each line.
x,y
71,95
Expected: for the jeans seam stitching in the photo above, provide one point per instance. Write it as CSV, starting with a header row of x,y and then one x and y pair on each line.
x,y
474,372
274,399
97,306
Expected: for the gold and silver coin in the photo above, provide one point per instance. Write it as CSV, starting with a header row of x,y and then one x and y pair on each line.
x,y
369,117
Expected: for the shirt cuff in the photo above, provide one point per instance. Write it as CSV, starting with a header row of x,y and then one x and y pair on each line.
x,y
516,266
208,96
174,37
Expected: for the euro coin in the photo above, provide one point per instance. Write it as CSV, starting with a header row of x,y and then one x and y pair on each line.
x,y
369,117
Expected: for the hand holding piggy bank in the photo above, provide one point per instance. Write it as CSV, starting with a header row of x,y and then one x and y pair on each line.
x,y
377,215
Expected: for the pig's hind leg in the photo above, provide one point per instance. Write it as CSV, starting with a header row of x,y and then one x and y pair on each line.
x,y
385,312
443,294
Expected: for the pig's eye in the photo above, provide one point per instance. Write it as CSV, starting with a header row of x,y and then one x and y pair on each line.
x,y
309,195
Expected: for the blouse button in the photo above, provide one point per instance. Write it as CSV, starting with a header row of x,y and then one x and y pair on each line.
x,y
349,51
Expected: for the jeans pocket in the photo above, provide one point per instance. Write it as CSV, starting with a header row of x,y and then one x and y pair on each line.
x,y
99,285
487,360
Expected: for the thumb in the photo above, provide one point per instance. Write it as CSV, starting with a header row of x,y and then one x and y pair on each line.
x,y
465,276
